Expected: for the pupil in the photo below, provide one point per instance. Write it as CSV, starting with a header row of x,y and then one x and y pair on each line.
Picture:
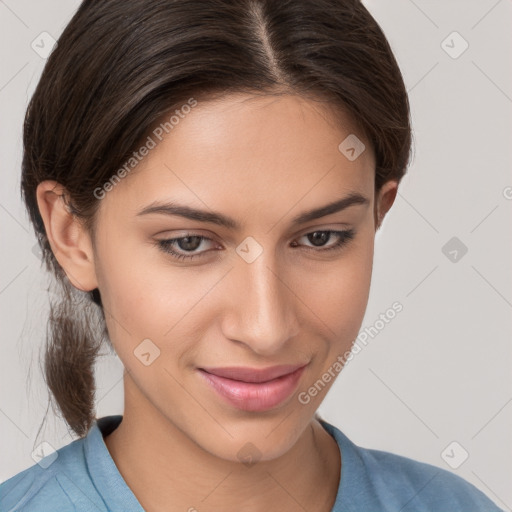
x,y
184,243
318,236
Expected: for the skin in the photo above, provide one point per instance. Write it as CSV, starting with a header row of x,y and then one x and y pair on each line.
x,y
261,161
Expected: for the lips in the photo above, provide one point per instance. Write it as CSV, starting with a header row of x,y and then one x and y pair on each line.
x,y
252,389
246,374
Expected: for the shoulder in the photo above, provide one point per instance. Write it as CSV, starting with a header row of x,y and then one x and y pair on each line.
x,y
378,480
58,482
417,486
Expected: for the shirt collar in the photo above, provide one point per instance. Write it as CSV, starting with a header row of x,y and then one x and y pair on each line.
x,y
103,470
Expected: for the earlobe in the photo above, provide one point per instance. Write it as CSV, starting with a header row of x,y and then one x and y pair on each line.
x,y
68,238
384,201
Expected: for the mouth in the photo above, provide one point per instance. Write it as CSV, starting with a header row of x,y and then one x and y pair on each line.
x,y
246,374
251,389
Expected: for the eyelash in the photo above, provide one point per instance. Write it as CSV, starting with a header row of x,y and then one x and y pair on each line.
x,y
344,238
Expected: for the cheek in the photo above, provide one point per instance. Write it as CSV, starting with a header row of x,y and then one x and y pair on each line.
x,y
143,298
337,292
150,302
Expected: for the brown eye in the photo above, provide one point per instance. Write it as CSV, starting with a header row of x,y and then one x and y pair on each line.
x,y
320,238
186,244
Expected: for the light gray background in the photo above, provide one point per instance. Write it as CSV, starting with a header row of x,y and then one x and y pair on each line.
x,y
440,370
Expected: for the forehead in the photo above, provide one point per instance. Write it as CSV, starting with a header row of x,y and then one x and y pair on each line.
x,y
249,153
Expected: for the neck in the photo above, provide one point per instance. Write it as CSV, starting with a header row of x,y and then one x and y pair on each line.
x,y
168,471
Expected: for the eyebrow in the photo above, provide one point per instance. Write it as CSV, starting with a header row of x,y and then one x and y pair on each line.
x,y
219,219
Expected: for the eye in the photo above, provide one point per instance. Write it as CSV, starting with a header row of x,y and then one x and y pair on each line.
x,y
190,243
319,239
187,243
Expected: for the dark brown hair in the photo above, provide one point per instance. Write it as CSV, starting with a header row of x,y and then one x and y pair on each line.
x,y
120,65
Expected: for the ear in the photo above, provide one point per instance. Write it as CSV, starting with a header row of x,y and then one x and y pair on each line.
x,y
69,240
384,201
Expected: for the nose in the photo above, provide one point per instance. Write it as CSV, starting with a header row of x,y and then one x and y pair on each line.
x,y
261,312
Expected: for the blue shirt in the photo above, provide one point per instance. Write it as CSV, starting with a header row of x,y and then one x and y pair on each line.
x,y
84,477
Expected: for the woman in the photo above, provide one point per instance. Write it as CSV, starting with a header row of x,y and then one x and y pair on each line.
x,y
206,180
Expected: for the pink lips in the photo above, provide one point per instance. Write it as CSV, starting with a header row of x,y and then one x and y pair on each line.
x,y
254,389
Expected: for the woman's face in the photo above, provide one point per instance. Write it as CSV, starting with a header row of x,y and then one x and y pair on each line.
x,y
271,291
